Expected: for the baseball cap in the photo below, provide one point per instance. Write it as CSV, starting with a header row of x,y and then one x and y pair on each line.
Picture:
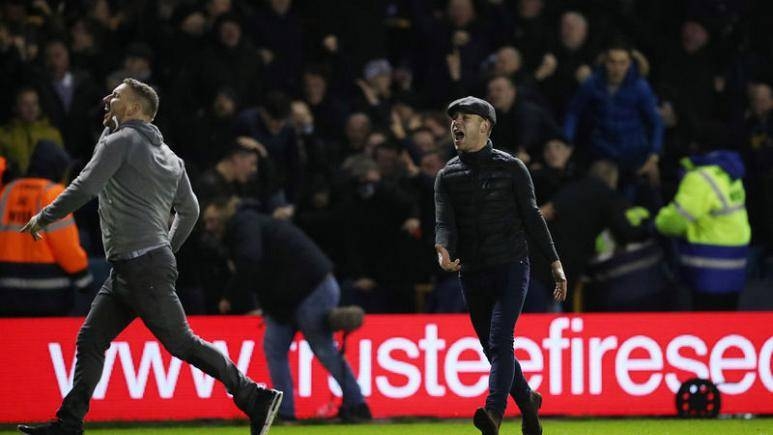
x,y
376,67
475,106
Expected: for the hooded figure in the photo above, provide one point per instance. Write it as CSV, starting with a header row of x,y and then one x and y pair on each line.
x,y
38,278
49,161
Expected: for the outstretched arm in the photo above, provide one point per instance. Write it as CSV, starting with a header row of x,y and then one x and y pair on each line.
x,y
108,156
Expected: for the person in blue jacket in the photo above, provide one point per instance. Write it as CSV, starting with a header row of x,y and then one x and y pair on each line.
x,y
620,110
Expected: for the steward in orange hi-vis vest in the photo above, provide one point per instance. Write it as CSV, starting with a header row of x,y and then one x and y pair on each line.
x,y
38,279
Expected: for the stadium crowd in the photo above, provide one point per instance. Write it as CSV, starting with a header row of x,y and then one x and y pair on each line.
x,y
330,114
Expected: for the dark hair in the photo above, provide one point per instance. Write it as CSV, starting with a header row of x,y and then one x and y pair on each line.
x,y
619,43
146,94
320,70
228,17
23,90
139,49
56,41
420,129
501,76
237,149
277,105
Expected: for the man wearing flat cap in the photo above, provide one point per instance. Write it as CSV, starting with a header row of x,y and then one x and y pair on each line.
x,y
485,211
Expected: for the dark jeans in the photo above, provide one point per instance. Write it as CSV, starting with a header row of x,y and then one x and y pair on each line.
x,y
495,298
142,287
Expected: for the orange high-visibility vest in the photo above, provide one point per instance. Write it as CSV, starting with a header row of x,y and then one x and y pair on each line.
x,y
3,167
57,262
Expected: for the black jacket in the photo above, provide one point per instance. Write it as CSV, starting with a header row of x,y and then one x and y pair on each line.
x,y
526,126
584,208
485,210
274,259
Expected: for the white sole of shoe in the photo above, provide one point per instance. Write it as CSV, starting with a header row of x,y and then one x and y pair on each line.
x,y
272,412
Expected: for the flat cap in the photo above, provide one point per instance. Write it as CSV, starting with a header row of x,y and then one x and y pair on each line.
x,y
475,106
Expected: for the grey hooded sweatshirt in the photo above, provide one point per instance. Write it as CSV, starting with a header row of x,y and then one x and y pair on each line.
x,y
139,181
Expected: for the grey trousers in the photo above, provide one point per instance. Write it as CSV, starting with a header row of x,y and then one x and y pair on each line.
x,y
142,287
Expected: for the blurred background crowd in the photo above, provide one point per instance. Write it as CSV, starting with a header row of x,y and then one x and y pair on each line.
x,y
330,114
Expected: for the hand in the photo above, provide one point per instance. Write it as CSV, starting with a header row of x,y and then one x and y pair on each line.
x,y
548,211
42,6
224,307
368,92
365,284
559,292
321,199
582,73
641,62
248,142
454,62
668,114
650,170
266,55
33,227
547,68
396,125
110,121
284,213
719,84
412,226
523,155
444,260
407,162
404,78
460,38
330,43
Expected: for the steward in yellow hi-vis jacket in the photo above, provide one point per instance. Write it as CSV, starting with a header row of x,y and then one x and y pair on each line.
x,y
708,214
38,278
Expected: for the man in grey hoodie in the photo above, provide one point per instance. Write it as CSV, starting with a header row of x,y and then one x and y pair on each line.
x,y
139,180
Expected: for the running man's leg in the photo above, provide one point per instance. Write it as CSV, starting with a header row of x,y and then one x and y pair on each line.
x,y
150,281
107,317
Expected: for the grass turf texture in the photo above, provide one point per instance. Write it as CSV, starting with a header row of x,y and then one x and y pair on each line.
x,y
757,426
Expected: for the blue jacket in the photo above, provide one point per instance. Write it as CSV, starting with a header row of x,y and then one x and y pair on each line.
x,y
625,126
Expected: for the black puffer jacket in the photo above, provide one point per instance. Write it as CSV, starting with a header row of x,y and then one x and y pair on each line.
x,y
485,210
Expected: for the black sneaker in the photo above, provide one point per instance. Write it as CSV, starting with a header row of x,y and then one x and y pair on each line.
x,y
263,409
530,424
52,428
487,421
355,414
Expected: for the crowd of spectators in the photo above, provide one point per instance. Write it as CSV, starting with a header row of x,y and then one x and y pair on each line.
x,y
330,113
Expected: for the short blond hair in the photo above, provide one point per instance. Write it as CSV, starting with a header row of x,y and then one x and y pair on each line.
x,y
146,94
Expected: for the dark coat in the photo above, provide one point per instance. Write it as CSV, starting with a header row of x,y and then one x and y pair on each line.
x,y
77,123
274,259
283,150
485,210
525,125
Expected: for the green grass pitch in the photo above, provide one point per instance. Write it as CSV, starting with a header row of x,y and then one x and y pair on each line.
x,y
757,426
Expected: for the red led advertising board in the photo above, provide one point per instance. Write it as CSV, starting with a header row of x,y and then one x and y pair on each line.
x,y
408,365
